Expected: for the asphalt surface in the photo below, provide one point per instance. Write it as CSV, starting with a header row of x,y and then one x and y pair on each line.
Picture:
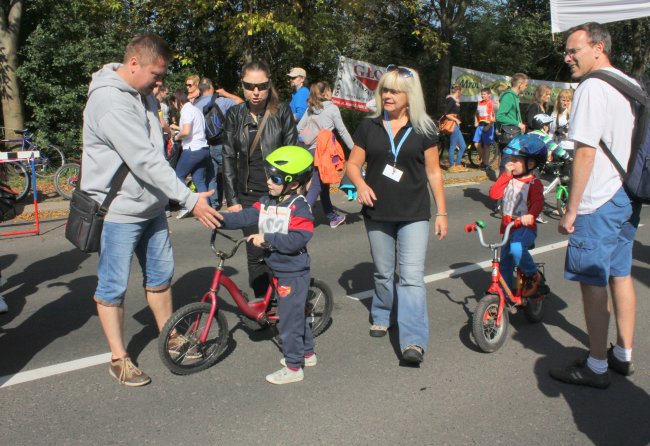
x,y
359,393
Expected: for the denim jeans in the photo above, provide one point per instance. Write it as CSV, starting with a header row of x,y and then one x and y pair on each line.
x,y
149,240
215,180
316,189
456,139
515,253
194,162
412,317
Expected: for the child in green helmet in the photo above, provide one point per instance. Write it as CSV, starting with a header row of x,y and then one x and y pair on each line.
x,y
285,224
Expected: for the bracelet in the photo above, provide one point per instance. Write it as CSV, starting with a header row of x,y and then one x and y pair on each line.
x,y
441,214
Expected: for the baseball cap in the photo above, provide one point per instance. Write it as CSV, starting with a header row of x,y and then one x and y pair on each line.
x,y
297,71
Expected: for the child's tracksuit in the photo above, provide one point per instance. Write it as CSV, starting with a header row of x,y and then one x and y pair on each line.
x,y
287,226
520,197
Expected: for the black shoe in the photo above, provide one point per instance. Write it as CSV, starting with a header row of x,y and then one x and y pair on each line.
x,y
377,331
625,368
580,374
413,353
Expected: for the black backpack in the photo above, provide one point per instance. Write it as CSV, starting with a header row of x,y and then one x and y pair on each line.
x,y
214,121
636,178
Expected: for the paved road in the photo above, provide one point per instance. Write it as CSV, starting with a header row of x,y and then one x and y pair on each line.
x,y
358,394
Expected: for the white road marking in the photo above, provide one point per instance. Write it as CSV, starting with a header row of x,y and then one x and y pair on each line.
x,y
104,358
462,270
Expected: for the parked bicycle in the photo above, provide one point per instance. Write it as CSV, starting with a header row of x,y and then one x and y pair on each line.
x,y
51,156
66,179
561,171
471,156
490,320
17,177
196,334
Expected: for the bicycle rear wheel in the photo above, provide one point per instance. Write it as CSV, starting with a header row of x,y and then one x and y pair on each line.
x,y
320,303
179,344
16,176
66,178
475,158
52,158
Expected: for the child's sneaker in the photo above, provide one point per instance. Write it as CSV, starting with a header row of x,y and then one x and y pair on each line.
x,y
531,285
3,305
337,220
285,376
310,361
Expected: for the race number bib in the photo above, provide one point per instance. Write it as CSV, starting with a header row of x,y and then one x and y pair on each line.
x,y
515,199
274,219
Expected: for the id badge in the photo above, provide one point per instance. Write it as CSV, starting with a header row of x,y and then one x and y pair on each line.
x,y
393,173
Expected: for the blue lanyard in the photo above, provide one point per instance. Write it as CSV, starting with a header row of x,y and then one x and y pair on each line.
x,y
394,149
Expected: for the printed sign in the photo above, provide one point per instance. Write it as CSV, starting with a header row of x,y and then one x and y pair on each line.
x,y
356,82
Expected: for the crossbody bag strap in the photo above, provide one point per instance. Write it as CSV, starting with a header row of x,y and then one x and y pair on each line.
x,y
258,135
116,184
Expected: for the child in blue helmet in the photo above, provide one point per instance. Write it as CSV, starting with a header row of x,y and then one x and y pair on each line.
x,y
286,224
522,197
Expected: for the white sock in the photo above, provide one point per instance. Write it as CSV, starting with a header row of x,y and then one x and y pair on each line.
x,y
598,366
622,354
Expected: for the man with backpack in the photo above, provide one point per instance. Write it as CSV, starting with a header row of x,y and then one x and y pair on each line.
x,y
601,217
214,105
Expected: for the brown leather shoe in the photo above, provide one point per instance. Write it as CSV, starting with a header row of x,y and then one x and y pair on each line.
x,y
127,373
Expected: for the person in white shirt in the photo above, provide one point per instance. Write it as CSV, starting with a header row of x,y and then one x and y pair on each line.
x,y
600,219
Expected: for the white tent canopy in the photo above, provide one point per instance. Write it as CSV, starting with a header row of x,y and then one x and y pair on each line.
x,y
568,13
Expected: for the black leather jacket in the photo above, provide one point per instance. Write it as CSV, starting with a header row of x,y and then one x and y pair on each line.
x,y
280,131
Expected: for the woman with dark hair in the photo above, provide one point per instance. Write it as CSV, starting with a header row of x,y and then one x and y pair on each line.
x,y
190,131
538,107
323,114
252,130
452,112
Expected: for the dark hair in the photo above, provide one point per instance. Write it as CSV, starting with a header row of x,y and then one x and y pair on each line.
x,y
518,78
316,95
180,97
486,90
455,88
596,32
273,100
147,48
205,85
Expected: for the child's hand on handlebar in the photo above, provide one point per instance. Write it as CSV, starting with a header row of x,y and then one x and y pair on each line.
x,y
257,240
527,220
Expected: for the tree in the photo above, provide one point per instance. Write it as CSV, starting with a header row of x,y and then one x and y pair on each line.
x,y
12,109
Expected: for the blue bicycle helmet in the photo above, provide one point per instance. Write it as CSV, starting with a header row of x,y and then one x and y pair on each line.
x,y
528,146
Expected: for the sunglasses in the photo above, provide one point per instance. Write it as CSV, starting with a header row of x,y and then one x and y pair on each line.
x,y
261,86
189,85
402,71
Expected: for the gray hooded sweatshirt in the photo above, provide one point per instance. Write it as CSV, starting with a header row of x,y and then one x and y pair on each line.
x,y
122,126
328,117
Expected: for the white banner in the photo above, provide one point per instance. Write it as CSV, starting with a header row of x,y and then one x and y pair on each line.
x,y
356,82
569,13
474,81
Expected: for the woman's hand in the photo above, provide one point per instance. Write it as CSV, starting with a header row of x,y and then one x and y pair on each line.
x,y
366,196
440,226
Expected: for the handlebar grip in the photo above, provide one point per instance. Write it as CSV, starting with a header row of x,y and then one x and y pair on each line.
x,y
470,228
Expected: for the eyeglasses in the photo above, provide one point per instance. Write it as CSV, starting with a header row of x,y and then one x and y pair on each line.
x,y
402,71
189,85
261,86
570,52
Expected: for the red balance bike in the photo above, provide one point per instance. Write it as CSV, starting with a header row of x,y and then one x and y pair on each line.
x,y
196,334
491,318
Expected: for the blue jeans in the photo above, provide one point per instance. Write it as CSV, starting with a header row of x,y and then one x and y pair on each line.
x,y
456,139
412,317
316,189
194,162
515,253
149,240
215,180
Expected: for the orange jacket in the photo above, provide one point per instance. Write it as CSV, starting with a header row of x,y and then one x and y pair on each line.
x,y
329,157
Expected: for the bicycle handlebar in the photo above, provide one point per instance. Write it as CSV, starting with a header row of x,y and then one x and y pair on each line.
x,y
222,254
479,225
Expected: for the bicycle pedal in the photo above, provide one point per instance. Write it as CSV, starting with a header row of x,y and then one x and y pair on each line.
x,y
512,309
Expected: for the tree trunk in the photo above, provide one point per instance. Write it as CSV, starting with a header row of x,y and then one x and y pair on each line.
x,y
640,52
12,107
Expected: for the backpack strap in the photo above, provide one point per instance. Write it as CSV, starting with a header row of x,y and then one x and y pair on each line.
x,y
213,103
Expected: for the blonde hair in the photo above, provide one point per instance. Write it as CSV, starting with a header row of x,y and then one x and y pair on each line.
x,y
565,93
540,92
455,88
417,111
194,79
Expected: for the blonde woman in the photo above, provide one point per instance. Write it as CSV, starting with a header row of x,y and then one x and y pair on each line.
x,y
399,143
539,105
560,124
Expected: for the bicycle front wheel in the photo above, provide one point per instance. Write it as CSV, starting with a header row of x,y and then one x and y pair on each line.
x,y
16,176
562,197
179,344
66,178
320,303
52,158
488,335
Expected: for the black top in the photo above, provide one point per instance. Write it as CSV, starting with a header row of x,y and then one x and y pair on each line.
x,y
256,172
451,106
408,199
534,109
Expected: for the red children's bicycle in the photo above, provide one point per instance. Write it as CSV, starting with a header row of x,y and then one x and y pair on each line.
x,y
197,333
491,318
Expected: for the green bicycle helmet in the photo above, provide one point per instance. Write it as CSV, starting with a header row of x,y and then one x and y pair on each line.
x,y
288,164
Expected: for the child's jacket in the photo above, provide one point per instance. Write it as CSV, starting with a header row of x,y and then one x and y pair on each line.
x,y
287,227
520,197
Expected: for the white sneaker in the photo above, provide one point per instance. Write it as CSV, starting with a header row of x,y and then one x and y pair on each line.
x,y
3,305
309,362
183,213
285,376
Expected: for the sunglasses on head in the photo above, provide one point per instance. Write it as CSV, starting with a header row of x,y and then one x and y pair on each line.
x,y
402,71
261,86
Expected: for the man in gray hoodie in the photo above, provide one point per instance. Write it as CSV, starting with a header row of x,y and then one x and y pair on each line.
x,y
121,125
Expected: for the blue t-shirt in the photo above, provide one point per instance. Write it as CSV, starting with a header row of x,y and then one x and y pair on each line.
x,y
298,102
